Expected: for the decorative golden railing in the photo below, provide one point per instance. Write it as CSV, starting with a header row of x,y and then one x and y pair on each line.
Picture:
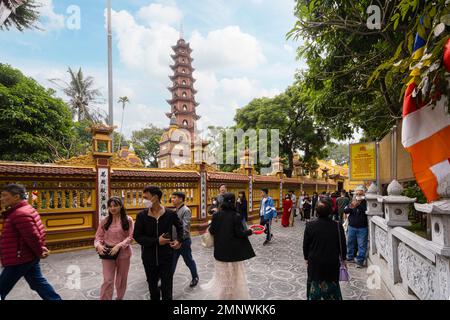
x,y
66,196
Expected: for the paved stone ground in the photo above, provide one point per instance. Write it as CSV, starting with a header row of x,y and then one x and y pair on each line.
x,y
278,272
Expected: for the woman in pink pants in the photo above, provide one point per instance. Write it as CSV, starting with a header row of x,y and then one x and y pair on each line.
x,y
115,231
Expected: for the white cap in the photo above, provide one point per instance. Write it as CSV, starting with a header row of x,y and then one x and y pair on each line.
x,y
360,188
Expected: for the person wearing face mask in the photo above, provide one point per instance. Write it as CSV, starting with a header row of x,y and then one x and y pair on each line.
x,y
358,230
153,231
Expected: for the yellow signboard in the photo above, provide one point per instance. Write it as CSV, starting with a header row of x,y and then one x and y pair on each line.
x,y
363,161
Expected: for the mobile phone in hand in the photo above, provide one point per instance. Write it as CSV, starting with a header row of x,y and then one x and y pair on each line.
x,y
166,235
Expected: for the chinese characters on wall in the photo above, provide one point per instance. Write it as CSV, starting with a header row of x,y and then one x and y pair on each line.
x,y
103,188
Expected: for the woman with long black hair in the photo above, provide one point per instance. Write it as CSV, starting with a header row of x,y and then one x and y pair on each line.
x,y
231,248
241,206
112,242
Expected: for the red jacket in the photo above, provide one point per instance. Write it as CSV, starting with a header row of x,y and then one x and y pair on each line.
x,y
23,235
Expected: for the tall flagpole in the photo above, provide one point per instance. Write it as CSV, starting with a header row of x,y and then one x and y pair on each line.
x,y
110,72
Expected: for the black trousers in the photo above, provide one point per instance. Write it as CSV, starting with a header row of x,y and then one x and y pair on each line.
x,y
267,224
154,274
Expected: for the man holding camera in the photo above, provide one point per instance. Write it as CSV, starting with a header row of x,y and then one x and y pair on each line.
x,y
358,230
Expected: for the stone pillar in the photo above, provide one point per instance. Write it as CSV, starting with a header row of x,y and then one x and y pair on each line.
x,y
281,194
102,153
373,206
396,206
247,161
440,235
396,215
250,194
373,209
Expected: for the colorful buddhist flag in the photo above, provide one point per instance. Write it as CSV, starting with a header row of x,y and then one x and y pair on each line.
x,y
426,130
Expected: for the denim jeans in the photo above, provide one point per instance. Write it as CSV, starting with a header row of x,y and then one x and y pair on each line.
x,y
186,252
267,224
357,236
33,275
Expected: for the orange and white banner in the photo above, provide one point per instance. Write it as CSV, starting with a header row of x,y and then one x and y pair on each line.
x,y
426,136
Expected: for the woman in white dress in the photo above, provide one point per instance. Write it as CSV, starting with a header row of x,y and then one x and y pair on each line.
x,y
231,248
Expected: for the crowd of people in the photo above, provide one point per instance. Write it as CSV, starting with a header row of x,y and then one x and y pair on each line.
x,y
336,233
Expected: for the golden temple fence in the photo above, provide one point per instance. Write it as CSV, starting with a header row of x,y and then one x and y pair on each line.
x,y
68,198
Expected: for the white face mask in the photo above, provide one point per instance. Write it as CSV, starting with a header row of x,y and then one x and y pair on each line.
x,y
359,198
148,203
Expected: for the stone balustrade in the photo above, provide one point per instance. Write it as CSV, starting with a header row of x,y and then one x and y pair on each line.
x,y
410,266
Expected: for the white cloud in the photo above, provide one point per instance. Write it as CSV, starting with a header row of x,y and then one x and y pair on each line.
x,y
219,98
144,42
148,46
144,48
231,68
49,19
227,48
156,13
288,48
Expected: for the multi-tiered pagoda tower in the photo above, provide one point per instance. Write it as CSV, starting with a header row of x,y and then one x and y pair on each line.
x,y
182,105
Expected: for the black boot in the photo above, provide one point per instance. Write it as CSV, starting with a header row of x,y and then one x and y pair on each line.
x,y
194,282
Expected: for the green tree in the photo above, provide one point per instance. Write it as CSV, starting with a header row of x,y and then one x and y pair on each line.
x,y
80,141
341,54
339,153
430,19
32,119
123,100
357,75
217,148
83,96
146,144
288,113
119,141
24,14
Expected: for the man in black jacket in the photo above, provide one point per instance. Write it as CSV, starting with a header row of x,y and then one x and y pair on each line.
x,y
153,231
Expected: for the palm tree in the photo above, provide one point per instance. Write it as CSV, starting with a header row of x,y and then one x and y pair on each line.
x,y
21,14
124,100
81,95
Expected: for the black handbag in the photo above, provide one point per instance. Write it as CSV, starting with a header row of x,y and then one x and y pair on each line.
x,y
108,256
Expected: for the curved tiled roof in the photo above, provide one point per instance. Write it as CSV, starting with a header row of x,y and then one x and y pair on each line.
x,y
44,169
154,174
266,179
292,181
222,176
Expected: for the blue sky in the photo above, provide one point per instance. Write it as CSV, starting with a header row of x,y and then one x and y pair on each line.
x,y
240,52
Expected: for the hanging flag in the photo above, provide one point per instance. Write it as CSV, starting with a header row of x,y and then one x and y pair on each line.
x,y
7,7
426,129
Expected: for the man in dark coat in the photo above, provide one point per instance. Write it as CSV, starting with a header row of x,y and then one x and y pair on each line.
x,y
153,231
323,247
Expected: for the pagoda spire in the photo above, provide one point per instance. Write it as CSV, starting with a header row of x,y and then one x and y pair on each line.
x,y
182,103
